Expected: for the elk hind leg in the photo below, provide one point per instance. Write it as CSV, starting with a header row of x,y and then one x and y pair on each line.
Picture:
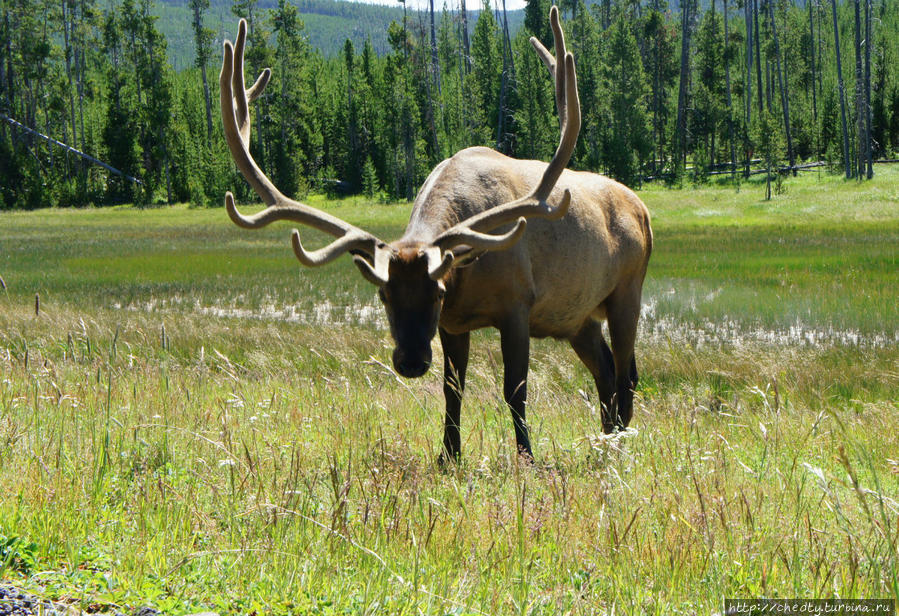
x,y
623,313
515,344
591,348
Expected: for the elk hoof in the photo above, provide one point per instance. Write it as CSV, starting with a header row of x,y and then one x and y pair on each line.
x,y
526,456
447,462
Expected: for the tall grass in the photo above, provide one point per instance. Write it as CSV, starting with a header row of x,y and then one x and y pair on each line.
x,y
194,422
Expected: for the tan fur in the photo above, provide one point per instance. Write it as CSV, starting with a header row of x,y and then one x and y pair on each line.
x,y
562,271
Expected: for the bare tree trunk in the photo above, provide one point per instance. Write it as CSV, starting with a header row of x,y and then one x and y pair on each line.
x,y
821,19
508,41
82,69
432,84
811,31
198,30
501,144
656,104
836,36
500,116
409,147
208,100
747,11
405,36
758,53
168,170
466,45
859,95
435,65
10,75
869,171
680,128
67,23
730,107
782,86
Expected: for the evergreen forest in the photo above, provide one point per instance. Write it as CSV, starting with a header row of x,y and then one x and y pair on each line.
x,y
95,109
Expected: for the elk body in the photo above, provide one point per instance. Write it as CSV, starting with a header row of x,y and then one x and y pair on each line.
x,y
548,270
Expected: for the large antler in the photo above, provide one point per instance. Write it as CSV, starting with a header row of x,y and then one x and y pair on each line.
x,y
236,118
535,204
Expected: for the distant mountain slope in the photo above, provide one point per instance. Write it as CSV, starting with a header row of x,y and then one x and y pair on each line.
x,y
328,24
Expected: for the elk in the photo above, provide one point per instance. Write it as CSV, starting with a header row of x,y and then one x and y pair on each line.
x,y
569,251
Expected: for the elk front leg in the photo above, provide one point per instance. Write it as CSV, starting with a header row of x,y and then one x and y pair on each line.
x,y
515,342
455,362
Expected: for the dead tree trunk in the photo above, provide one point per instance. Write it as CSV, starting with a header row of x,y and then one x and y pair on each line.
x,y
859,95
67,23
747,11
869,171
82,71
730,112
836,37
680,129
758,54
782,86
201,57
466,45
435,65
811,31
507,75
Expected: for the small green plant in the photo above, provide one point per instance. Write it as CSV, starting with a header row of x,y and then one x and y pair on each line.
x,y
370,183
17,554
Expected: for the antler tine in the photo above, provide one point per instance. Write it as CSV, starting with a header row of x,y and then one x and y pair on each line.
x,y
235,100
376,273
462,234
535,204
550,62
571,126
352,241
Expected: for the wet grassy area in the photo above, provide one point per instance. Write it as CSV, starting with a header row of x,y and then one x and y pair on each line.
x,y
195,420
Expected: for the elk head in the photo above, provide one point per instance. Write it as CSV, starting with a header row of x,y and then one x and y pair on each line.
x,y
410,274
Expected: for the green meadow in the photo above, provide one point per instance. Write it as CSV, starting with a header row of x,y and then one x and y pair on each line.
x,y
193,421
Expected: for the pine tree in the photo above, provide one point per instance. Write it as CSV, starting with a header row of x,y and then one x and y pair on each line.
x,y
203,42
536,20
769,146
292,113
120,133
585,41
486,72
710,103
626,141
661,66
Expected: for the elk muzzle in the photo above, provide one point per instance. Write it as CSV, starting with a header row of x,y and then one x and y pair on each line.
x,y
412,363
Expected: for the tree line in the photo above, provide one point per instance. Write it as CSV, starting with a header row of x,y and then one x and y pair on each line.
x,y
729,87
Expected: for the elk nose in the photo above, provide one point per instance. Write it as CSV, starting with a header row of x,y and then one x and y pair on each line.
x,y
410,366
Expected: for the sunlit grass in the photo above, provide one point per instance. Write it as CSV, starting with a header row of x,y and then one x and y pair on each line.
x,y
191,422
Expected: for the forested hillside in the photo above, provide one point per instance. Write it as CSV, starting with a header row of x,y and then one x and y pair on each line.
x,y
729,86
328,24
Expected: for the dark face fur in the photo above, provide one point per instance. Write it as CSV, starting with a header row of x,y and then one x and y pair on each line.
x,y
413,302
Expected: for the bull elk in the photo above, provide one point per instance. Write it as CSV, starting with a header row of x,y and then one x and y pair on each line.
x,y
547,271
